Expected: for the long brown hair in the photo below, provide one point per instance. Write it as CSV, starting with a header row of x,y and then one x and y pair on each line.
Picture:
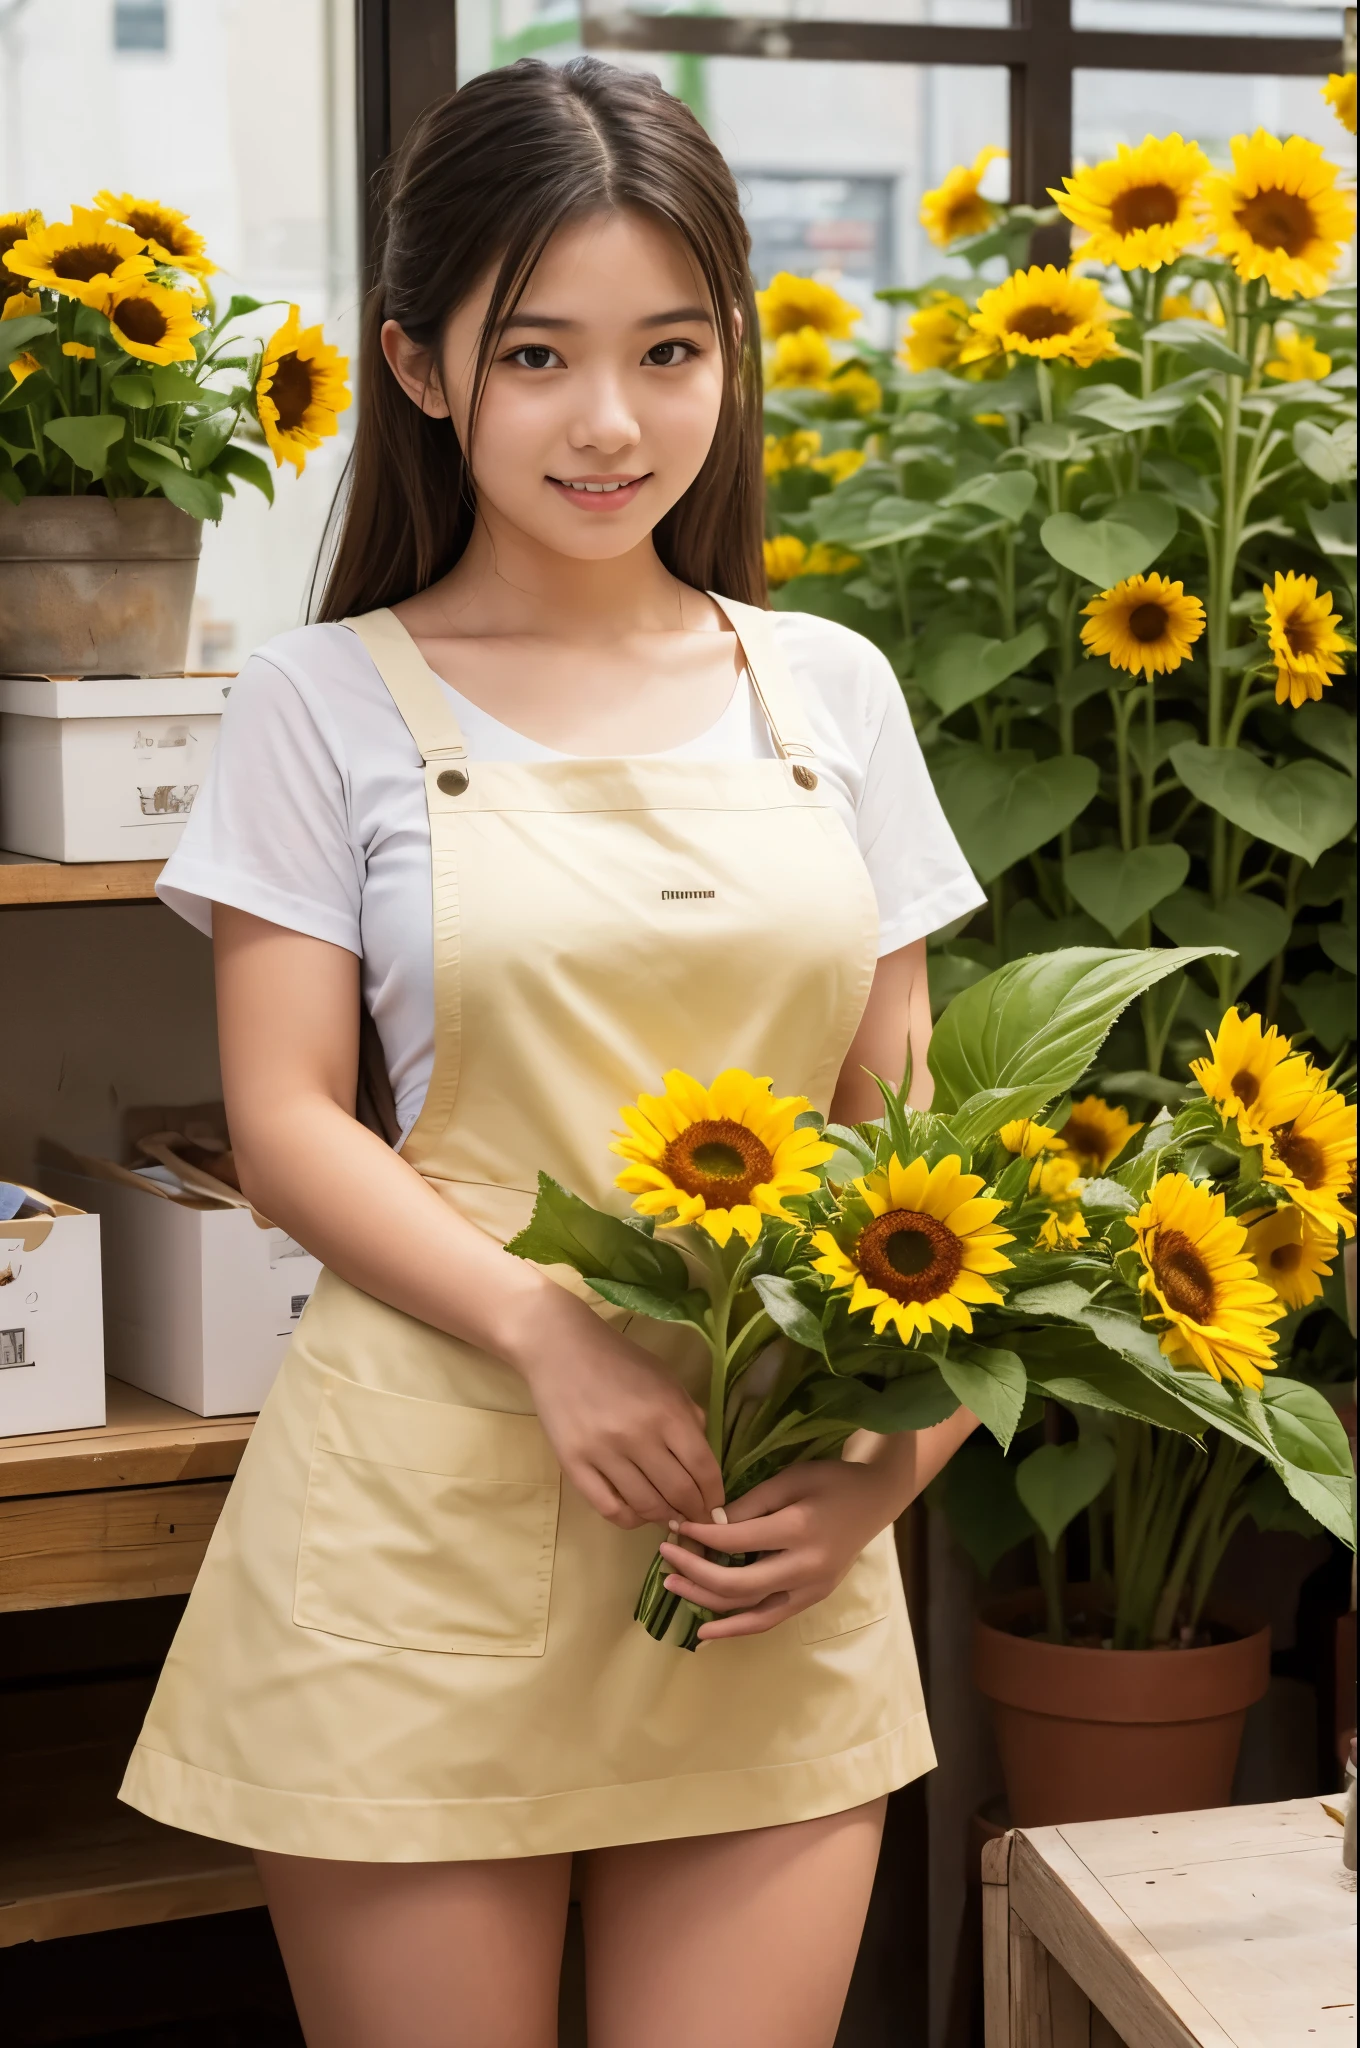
x,y
483,181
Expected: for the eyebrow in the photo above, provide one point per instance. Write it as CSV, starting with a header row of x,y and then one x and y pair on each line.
x,y
677,316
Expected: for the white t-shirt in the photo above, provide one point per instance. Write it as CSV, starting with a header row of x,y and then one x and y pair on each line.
x,y
312,814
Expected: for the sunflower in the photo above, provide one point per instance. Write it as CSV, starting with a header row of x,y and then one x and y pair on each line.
x,y
1096,1132
857,388
913,1244
801,359
1254,1075
1043,312
1311,1159
957,207
824,558
153,323
84,261
1290,1255
937,333
18,306
1297,357
1138,206
300,390
81,350
1063,1229
1339,93
791,451
721,1157
788,304
1301,627
1280,213
167,234
839,464
1027,1139
1185,306
1060,1182
17,227
1200,1280
785,556
1146,625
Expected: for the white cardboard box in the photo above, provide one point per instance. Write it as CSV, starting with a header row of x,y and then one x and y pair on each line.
x,y
103,769
51,1323
201,1297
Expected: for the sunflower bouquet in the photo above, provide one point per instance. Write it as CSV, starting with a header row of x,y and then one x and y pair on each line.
x,y
119,376
1102,522
1009,1248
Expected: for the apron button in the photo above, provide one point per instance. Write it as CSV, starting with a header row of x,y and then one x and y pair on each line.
x,y
806,778
453,781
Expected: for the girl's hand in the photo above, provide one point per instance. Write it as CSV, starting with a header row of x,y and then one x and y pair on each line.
x,y
813,1520
628,1437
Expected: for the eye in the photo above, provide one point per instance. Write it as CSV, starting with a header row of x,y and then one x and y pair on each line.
x,y
536,355
667,355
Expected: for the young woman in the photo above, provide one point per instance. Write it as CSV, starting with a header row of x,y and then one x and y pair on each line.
x,y
649,825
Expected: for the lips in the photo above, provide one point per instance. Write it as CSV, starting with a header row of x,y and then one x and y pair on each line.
x,y
598,494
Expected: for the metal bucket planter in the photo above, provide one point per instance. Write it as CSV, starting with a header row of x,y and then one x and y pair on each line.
x,y
96,586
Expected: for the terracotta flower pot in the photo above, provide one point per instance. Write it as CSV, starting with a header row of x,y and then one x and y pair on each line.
x,y
1088,1734
96,586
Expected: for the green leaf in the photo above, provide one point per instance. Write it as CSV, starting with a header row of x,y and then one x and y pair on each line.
x,y
914,1400
88,440
966,665
1119,409
249,468
1329,1501
1328,730
1057,440
1306,1428
173,385
196,495
1058,1480
239,307
1330,456
1334,528
1197,341
133,389
784,1307
1040,1021
1338,943
1304,807
1005,805
1100,1378
1326,1004
17,334
645,1301
565,1231
989,1381
981,1504
209,438
1118,888
1185,486
1009,493
1104,551
1268,1501
1251,925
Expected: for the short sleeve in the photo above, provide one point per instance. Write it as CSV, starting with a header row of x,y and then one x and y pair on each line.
x,y
920,876
270,830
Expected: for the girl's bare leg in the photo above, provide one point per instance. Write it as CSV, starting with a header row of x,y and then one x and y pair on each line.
x,y
730,1941
425,1955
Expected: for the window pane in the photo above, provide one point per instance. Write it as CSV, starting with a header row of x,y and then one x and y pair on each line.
x,y
241,114
516,27
1213,17
1123,106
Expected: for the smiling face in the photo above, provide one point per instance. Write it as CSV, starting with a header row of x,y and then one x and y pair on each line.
x,y
603,393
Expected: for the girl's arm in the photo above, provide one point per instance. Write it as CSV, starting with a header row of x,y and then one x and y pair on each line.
x,y
288,1024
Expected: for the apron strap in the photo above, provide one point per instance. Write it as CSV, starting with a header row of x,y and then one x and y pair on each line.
x,y
774,685
414,687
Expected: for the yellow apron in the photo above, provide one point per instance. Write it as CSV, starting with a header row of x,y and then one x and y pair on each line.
x,y
410,1639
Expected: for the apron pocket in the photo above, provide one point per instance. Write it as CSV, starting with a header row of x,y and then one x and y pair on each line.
x,y
864,1595
428,1526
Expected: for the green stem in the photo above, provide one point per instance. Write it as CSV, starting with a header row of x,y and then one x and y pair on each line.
x,y
1120,705
1051,1579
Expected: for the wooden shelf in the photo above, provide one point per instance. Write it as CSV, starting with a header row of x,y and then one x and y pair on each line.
x,y
27,881
73,1860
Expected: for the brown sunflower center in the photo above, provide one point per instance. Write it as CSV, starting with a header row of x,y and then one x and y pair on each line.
x,y
1147,622
718,1159
85,260
1303,1156
1086,1140
1286,1258
1185,1281
291,393
1144,206
152,228
1278,220
969,214
1245,1087
909,1256
8,237
1040,323
1299,636
142,321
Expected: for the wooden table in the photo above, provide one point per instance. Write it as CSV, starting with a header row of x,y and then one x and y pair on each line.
x,y
1229,1928
118,1513
25,880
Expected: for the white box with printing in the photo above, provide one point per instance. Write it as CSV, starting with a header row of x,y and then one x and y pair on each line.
x,y
51,1323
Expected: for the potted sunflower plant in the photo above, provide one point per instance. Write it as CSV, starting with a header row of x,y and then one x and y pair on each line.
x,y
127,398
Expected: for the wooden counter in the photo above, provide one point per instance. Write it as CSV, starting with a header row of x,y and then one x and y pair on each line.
x,y
24,880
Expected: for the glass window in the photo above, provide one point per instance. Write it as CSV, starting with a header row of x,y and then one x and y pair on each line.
x,y
1110,107
1211,17
245,121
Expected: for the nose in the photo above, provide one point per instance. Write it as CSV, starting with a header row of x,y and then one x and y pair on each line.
x,y
605,420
